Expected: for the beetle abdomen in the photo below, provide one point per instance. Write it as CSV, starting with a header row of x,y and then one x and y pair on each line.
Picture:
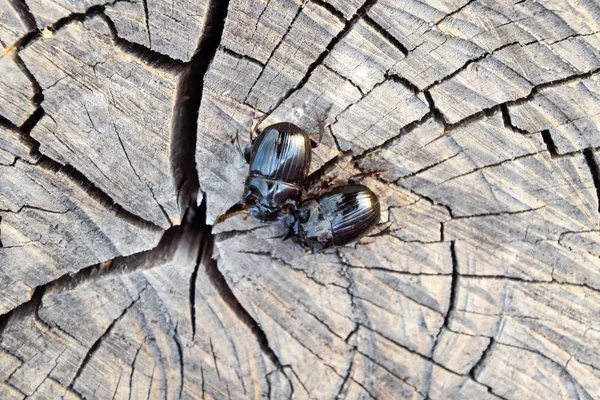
x,y
352,211
281,152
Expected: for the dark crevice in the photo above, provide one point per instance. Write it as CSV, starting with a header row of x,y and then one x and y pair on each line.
x,y
333,71
206,241
25,14
27,126
96,193
390,38
147,18
303,271
120,265
557,82
342,393
488,166
401,346
187,104
150,384
23,133
28,308
392,373
488,112
337,13
395,272
498,214
534,91
241,56
367,391
143,53
549,143
36,33
514,279
427,168
27,207
459,9
467,63
356,102
433,202
403,131
479,364
400,79
27,18
181,360
453,287
341,35
140,52
222,287
508,121
437,114
592,163
202,388
212,352
573,36
38,95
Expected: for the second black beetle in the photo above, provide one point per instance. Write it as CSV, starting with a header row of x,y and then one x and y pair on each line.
x,y
279,164
336,218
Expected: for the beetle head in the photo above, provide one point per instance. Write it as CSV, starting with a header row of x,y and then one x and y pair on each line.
x,y
268,199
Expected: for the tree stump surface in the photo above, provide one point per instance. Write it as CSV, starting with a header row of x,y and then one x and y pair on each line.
x,y
117,122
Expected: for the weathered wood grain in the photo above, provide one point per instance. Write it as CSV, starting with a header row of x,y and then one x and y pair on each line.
x,y
51,226
101,101
569,112
16,90
473,121
160,26
293,55
364,56
378,116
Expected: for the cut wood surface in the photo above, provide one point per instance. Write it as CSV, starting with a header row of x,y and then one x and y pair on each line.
x,y
476,123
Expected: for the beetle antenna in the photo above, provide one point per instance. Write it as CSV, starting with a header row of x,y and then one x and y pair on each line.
x,y
238,146
382,229
236,209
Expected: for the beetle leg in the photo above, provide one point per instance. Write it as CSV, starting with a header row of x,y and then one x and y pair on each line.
x,y
236,142
321,120
256,121
382,229
238,145
361,175
322,186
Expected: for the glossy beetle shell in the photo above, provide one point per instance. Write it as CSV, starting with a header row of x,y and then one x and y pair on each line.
x,y
279,163
281,152
341,216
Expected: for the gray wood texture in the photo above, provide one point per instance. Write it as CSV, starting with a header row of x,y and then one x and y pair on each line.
x,y
476,123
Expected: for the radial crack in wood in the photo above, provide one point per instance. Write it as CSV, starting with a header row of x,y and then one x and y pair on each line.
x,y
51,227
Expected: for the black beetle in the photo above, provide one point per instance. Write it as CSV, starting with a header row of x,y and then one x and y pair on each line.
x,y
279,164
338,217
